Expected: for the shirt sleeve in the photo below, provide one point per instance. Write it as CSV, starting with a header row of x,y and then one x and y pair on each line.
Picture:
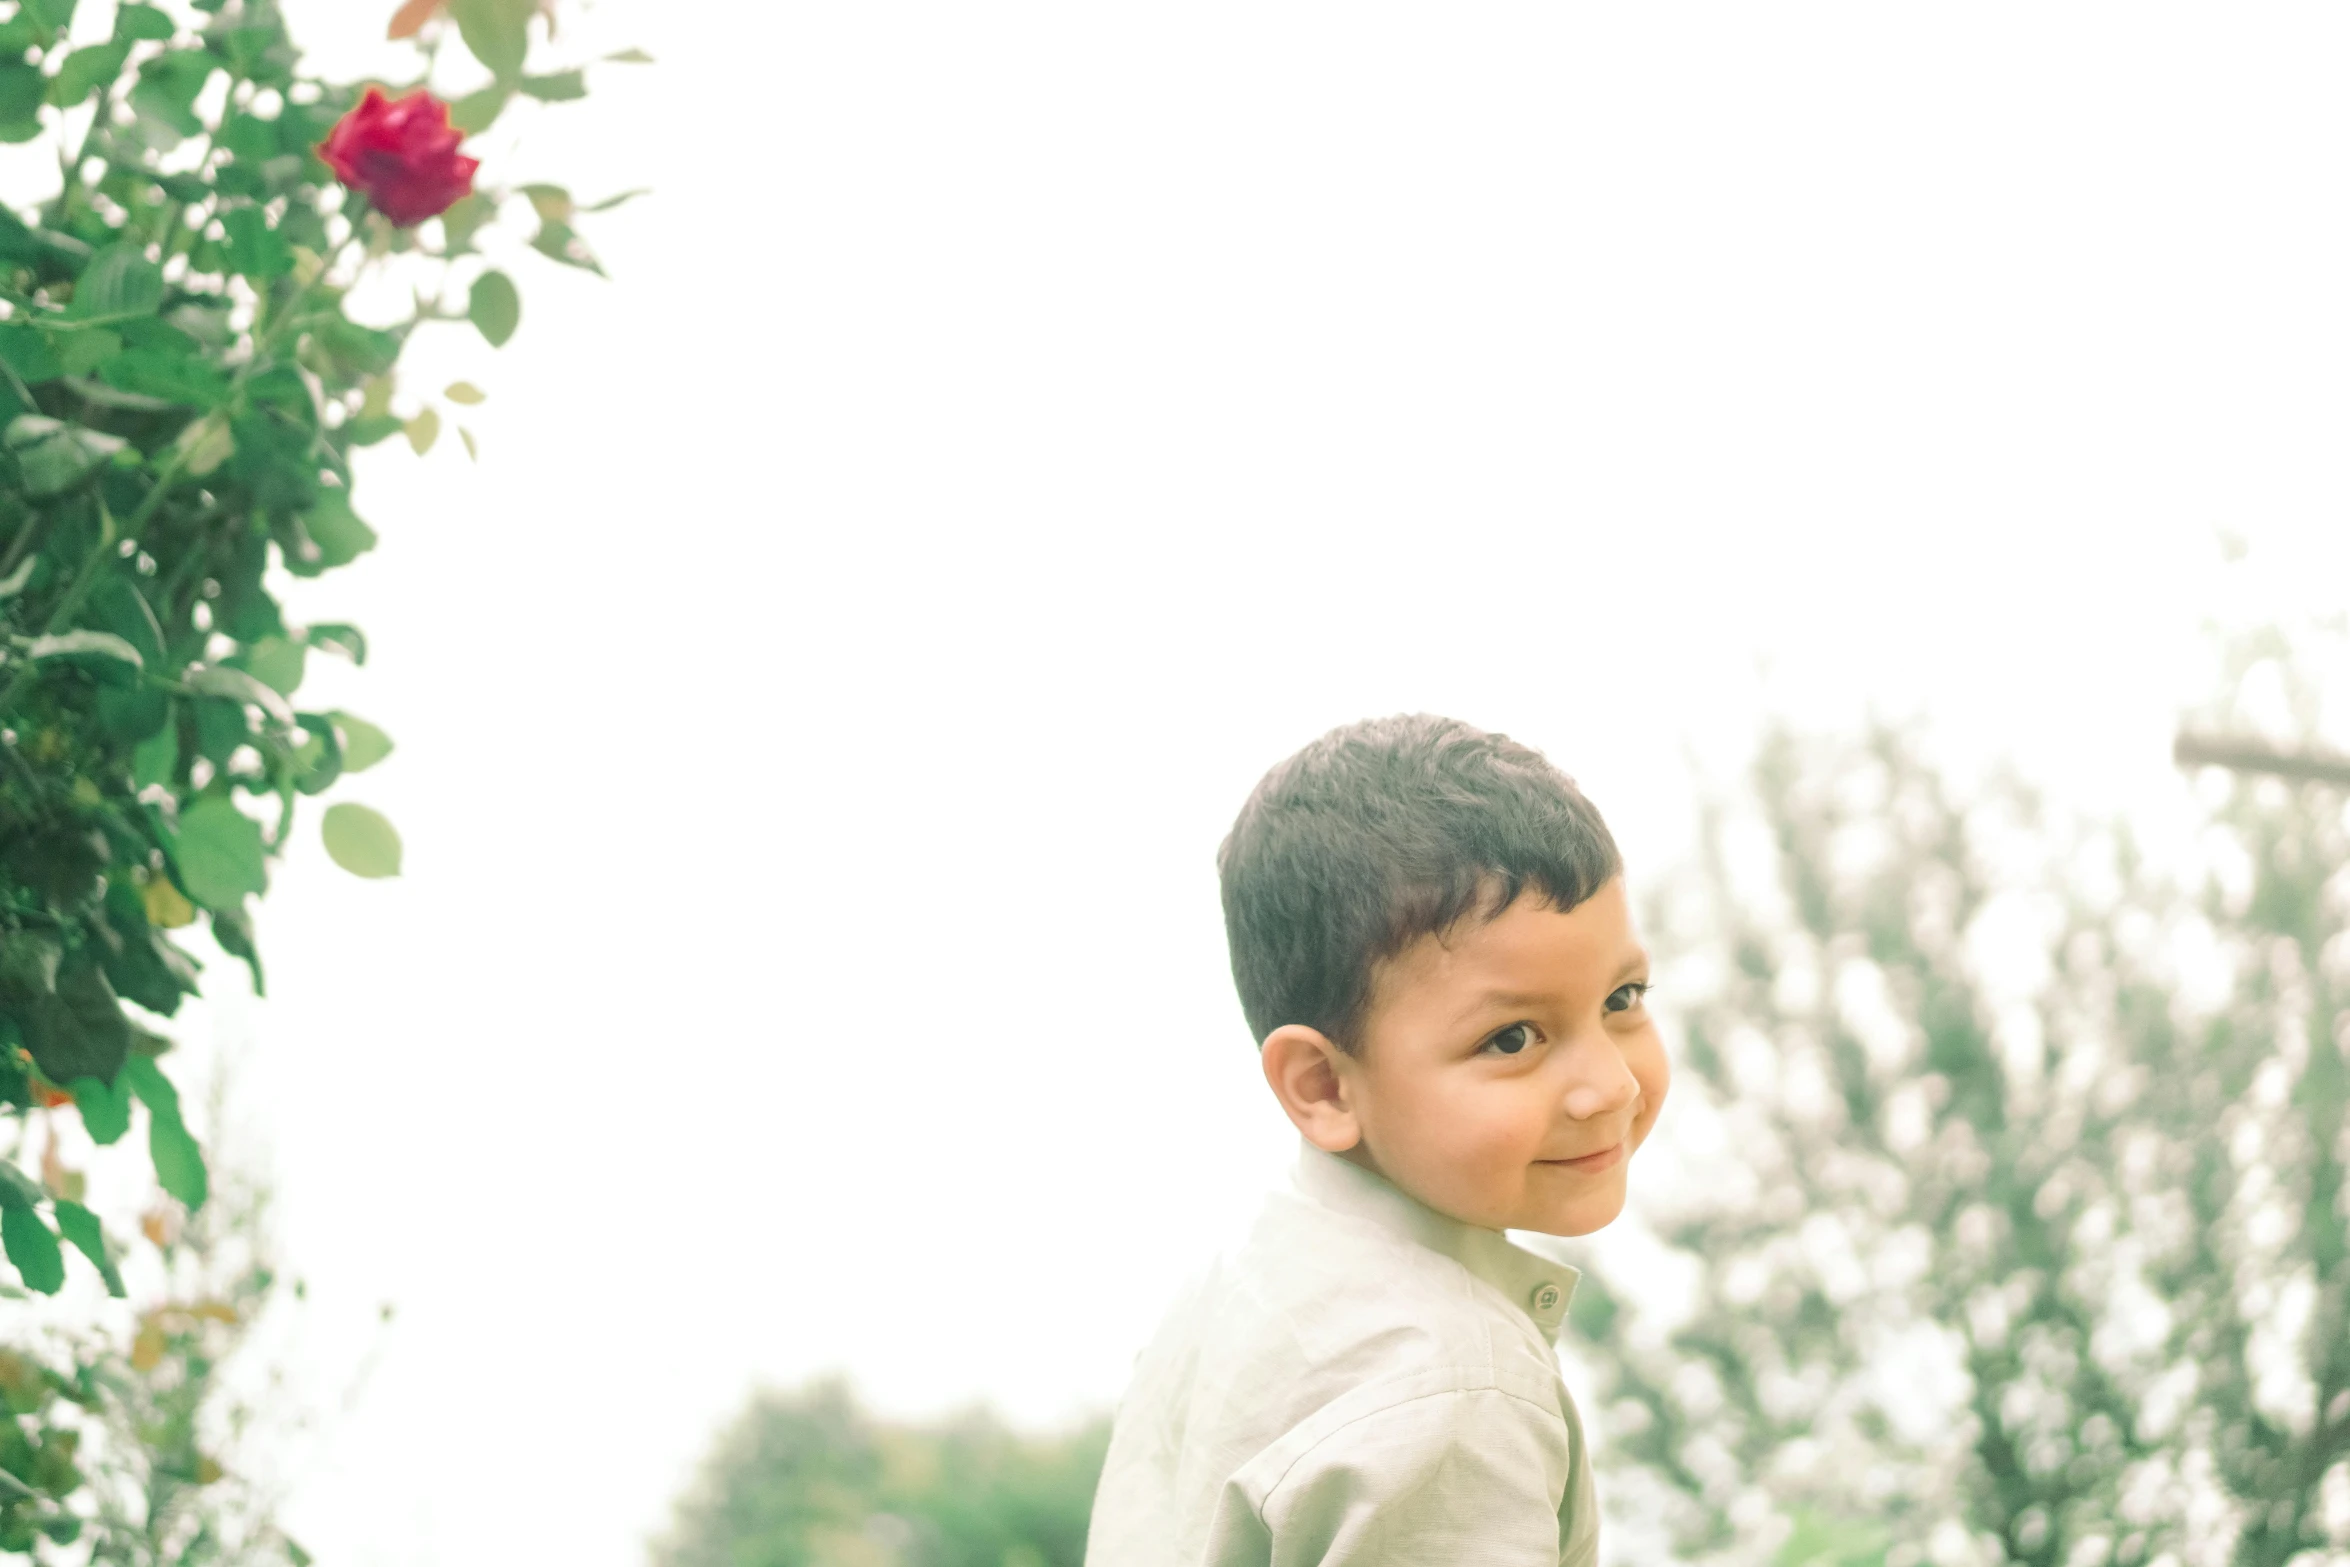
x,y
1472,1478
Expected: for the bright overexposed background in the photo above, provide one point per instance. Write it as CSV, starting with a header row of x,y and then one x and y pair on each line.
x,y
1008,429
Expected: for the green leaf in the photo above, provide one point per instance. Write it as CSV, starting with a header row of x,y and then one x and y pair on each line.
x,y
129,714
117,605
85,71
141,1076
118,284
233,929
156,758
91,650
99,394
360,352
423,430
179,1162
32,1246
497,31
222,726
22,90
79,1029
14,583
235,685
174,378
166,95
231,179
28,353
207,444
255,250
83,352
185,189
19,1190
552,203
361,841
54,15
463,392
364,745
495,307
630,57
368,429
318,760
609,202
219,853
557,242
560,87
349,641
464,218
204,320
105,1108
80,1226
276,663
283,389
478,111
336,530
142,22
54,456
248,137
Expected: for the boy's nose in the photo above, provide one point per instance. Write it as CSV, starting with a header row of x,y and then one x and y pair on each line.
x,y
1603,1084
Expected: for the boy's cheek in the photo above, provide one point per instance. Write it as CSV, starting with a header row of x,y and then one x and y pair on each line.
x,y
1654,1074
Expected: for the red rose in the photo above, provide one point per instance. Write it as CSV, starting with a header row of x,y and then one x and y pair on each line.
x,y
401,154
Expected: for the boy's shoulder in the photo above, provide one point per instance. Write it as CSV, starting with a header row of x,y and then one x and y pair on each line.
x,y
1345,1292
1348,1334
1356,1273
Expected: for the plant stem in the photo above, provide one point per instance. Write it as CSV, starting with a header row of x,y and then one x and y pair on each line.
x,y
72,172
23,541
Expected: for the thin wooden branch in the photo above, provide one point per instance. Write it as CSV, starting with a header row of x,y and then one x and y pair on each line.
x,y
2244,755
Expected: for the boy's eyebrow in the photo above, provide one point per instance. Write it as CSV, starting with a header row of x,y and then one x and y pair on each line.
x,y
1502,1000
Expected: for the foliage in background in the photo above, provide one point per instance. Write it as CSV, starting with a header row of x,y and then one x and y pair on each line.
x,y
2025,1243
177,1451
809,1480
181,392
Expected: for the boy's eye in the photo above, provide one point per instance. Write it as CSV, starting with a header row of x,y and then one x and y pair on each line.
x,y
1511,1040
1625,997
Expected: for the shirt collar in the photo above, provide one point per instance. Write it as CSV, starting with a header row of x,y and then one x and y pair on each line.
x,y
1539,1286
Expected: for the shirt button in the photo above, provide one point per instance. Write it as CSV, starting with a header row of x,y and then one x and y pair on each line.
x,y
1546,1298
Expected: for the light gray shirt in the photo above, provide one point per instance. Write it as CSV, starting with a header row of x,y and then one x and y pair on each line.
x,y
1364,1381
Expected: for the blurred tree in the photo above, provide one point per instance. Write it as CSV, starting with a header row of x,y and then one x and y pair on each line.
x,y
808,1479
165,1425
175,1465
2017,1227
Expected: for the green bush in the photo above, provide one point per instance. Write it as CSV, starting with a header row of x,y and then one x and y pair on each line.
x,y
808,1479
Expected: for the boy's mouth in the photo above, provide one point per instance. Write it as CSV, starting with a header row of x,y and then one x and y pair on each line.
x,y
1590,1163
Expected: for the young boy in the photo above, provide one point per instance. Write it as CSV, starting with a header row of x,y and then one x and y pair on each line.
x,y
1432,945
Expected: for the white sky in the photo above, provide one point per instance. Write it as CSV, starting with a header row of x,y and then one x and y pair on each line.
x,y
1011,428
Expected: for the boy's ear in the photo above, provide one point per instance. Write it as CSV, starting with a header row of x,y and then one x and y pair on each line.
x,y
1310,1075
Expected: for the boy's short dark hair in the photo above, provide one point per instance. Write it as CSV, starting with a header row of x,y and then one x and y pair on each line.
x,y
1382,832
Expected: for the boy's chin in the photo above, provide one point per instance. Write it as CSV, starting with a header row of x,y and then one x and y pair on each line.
x,y
1577,1215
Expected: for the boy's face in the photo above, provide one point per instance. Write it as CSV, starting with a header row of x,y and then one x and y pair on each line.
x,y
1508,1071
